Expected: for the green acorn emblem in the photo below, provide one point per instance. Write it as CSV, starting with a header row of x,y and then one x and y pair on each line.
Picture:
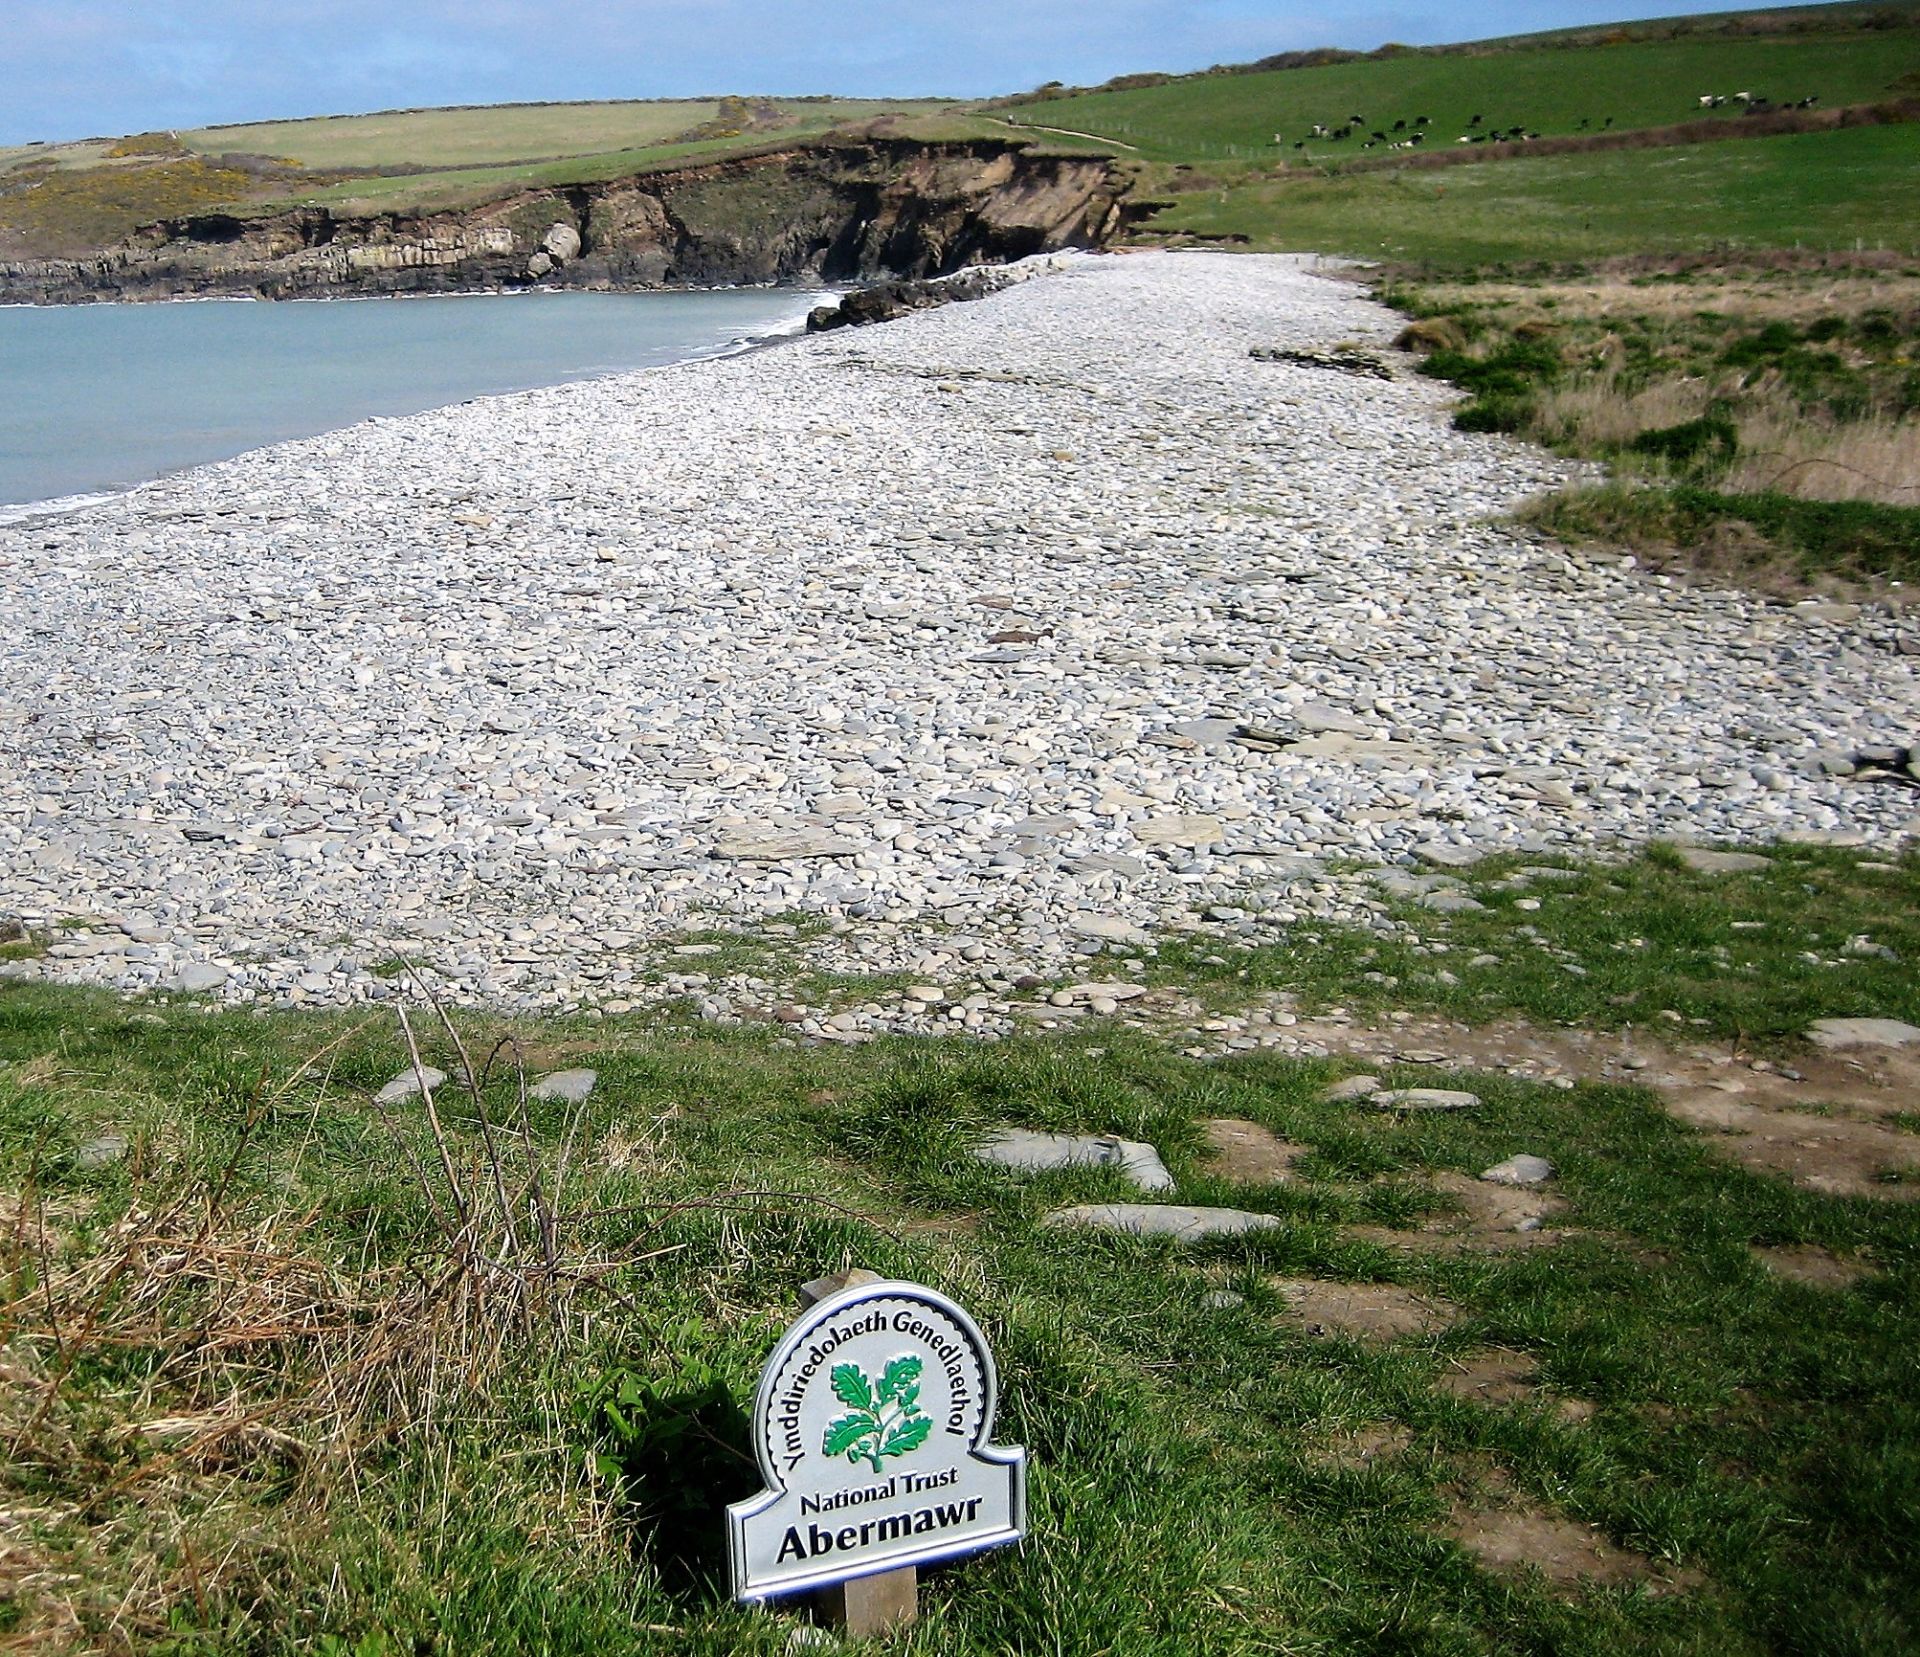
x,y
884,1419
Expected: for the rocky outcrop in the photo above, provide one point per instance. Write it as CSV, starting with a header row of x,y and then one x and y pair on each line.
x,y
885,301
833,212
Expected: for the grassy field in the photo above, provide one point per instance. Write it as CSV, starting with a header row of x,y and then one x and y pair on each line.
x,y
265,1391
472,186
1814,190
511,133
1552,91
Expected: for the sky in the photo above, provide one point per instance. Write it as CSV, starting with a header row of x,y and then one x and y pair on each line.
x,y
80,68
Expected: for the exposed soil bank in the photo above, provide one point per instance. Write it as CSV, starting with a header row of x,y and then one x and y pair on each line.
x,y
836,213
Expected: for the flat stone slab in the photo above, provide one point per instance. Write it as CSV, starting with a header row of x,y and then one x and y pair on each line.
x,y
1705,862
1141,1219
1181,829
1205,731
1443,854
1861,1032
1319,719
1520,1170
1107,928
103,1152
199,978
1109,992
1423,1098
1026,1151
571,1087
783,845
1357,748
406,1085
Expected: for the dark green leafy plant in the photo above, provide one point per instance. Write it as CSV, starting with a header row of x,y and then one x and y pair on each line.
x,y
1692,445
676,1443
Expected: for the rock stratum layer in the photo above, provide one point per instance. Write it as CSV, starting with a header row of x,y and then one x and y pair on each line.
x,y
829,213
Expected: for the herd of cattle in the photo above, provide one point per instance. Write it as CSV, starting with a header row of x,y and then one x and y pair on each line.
x,y
1407,135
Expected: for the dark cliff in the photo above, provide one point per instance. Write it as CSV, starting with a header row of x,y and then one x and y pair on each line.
x,y
831,212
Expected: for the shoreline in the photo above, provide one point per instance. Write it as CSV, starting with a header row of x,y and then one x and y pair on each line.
x,y
370,298
1016,272
1017,633
31,511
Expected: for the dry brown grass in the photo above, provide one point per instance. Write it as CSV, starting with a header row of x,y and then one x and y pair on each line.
x,y
184,1383
1855,460
1750,291
1596,409
1681,317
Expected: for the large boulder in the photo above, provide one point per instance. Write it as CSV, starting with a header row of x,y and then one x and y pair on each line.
x,y
561,243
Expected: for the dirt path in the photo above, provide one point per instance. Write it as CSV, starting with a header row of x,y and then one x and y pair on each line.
x,y
1066,132
1828,1121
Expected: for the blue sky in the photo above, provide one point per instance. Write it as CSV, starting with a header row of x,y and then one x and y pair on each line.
x,y
75,68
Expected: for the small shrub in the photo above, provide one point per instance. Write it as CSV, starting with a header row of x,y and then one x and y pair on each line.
x,y
1510,372
1433,333
1692,445
148,143
1768,345
1764,532
1494,414
678,1444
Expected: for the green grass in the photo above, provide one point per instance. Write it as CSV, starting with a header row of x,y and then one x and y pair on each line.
x,y
458,137
1817,190
1855,541
1751,410
473,186
88,153
510,133
476,186
63,199
1548,90
1761,1435
1756,956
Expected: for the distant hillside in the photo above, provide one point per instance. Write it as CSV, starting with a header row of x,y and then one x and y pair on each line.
x,y
1550,86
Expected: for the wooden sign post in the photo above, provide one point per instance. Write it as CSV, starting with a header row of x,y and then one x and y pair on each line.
x,y
868,1605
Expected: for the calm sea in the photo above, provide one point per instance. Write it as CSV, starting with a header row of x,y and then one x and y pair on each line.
x,y
99,397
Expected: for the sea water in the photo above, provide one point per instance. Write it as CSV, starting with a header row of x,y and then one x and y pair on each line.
x,y
102,397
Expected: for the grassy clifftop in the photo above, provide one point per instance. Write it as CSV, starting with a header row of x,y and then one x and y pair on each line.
x,y
1551,91
68,198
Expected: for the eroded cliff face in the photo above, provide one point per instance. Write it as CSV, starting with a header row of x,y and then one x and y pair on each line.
x,y
827,213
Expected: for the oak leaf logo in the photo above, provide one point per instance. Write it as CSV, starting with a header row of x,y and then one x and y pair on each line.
x,y
884,1417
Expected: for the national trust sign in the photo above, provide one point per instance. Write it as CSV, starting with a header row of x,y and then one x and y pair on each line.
x,y
871,1426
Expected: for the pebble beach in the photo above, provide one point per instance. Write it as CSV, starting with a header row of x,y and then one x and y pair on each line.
x,y
975,645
